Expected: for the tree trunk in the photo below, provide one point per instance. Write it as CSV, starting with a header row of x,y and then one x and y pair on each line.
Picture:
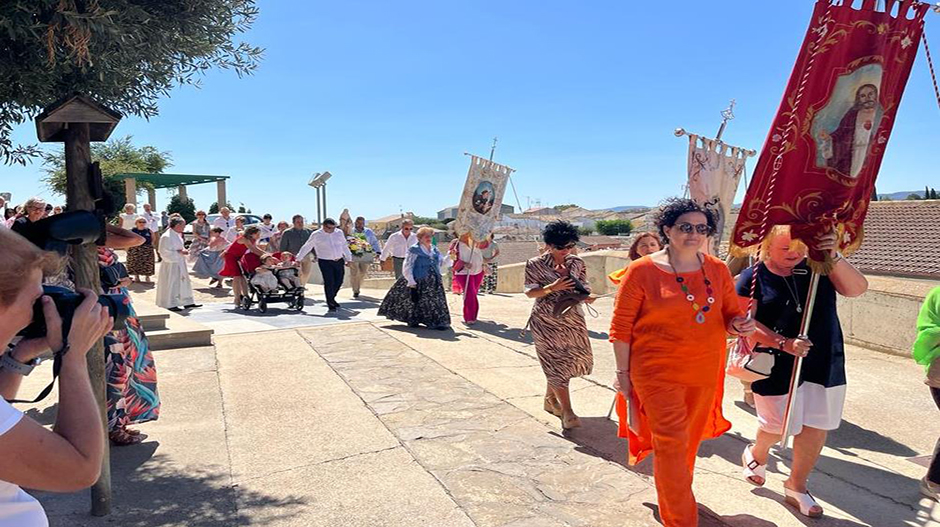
x,y
84,260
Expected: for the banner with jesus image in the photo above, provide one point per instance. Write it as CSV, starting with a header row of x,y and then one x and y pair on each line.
x,y
482,198
819,163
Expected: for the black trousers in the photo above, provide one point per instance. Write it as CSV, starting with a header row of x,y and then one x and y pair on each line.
x,y
333,272
933,473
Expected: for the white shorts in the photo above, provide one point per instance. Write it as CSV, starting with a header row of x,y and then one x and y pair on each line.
x,y
815,406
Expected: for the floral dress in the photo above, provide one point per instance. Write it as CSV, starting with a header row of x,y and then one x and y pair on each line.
x,y
130,369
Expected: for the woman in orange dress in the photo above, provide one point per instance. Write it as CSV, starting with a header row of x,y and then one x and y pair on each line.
x,y
672,314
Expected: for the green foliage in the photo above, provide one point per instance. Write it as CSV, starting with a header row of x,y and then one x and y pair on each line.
x,y
585,231
562,208
914,197
125,54
614,227
434,223
185,208
214,208
933,193
117,156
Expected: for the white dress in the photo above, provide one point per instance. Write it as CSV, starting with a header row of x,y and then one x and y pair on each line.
x,y
173,286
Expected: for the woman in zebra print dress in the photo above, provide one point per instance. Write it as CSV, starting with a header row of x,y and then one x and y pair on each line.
x,y
561,342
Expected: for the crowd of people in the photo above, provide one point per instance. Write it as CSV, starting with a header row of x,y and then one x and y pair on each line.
x,y
676,309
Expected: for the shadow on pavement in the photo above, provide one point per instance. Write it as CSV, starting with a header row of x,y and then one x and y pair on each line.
x,y
872,479
598,437
850,435
151,491
827,521
448,335
515,334
708,517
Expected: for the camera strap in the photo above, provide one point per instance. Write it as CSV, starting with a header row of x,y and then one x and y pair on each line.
x,y
56,368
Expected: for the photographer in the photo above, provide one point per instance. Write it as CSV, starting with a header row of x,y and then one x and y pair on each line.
x,y
68,458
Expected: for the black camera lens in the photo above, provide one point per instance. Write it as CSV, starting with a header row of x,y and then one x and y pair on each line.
x,y
66,302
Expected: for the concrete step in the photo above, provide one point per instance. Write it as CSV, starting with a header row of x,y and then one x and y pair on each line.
x,y
172,331
378,283
151,317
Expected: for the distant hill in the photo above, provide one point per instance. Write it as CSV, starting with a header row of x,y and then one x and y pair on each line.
x,y
628,208
899,196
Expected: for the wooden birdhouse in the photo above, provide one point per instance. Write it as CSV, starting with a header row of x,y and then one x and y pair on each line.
x,y
53,122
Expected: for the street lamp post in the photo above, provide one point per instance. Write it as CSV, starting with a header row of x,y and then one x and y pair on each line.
x,y
318,181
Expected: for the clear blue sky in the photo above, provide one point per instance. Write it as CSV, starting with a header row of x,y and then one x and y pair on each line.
x,y
584,97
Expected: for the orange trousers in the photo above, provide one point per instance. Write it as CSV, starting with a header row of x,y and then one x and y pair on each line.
x,y
677,417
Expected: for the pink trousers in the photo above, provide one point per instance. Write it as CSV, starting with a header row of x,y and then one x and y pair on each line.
x,y
470,284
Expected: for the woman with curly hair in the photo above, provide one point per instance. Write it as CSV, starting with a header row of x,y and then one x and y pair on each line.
x,y
672,314
561,341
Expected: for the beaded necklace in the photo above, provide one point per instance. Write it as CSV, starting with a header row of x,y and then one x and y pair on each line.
x,y
699,309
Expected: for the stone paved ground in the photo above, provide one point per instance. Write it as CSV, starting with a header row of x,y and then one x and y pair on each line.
x,y
363,423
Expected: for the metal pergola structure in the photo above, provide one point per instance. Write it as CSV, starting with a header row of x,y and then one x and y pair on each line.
x,y
179,181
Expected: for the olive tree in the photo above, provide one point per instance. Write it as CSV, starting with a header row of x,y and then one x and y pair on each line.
x,y
125,54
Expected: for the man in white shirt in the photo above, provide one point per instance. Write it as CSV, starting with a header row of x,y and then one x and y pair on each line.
x,y
398,244
227,223
333,255
153,221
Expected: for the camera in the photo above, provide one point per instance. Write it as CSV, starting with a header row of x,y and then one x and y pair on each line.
x,y
66,302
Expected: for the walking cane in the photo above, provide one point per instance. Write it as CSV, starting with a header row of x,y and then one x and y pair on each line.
x,y
798,363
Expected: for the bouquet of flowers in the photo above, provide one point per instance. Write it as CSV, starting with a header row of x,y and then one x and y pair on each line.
x,y
359,246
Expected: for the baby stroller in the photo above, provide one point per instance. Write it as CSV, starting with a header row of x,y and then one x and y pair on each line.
x,y
293,297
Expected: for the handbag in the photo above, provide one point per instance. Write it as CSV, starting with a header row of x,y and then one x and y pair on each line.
x,y
748,364
569,299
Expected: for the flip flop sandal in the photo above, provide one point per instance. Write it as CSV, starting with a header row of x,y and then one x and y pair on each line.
x,y
804,502
752,469
572,422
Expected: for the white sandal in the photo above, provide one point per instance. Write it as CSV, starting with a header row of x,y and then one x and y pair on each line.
x,y
753,469
804,502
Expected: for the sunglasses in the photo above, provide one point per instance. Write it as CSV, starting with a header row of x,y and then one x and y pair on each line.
x,y
701,228
566,247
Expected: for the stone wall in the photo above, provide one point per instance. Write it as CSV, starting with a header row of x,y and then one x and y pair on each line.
x,y
885,318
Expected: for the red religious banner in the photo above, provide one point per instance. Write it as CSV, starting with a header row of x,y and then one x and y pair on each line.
x,y
820,160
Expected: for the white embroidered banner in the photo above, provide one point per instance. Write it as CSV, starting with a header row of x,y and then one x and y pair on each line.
x,y
482,198
714,172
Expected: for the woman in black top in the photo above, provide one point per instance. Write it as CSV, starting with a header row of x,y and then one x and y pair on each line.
x,y
780,298
140,259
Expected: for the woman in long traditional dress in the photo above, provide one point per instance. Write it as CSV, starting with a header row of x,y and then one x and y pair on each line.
x,y
140,258
209,261
418,296
672,314
561,342
780,297
201,229
131,372
491,267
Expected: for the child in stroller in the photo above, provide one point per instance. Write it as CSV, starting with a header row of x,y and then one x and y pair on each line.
x,y
288,272
265,287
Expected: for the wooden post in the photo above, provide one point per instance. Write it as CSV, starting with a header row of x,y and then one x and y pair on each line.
x,y
130,190
84,260
182,192
798,363
222,200
152,198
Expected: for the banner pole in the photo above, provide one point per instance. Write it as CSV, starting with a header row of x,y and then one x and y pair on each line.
x,y
798,363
